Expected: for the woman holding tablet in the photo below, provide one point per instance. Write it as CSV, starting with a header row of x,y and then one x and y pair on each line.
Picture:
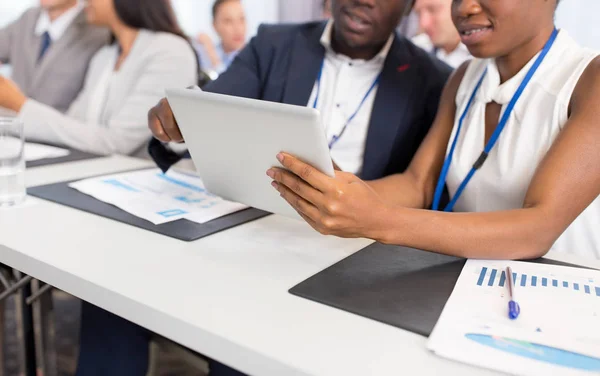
x,y
515,141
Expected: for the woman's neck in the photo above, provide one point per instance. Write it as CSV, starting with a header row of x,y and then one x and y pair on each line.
x,y
511,64
125,36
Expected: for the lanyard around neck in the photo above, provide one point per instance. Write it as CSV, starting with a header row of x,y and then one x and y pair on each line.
x,y
336,138
499,128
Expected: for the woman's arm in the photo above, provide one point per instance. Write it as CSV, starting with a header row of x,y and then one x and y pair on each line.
x,y
125,131
566,182
414,188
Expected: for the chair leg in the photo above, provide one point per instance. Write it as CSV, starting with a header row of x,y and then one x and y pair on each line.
x,y
43,317
2,336
153,361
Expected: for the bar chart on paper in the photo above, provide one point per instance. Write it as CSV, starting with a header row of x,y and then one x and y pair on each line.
x,y
495,277
557,332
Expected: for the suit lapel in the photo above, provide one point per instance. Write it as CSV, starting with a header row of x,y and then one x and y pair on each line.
x,y
32,54
390,109
307,57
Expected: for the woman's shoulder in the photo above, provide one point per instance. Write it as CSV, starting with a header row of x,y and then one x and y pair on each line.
x,y
471,72
103,55
565,69
161,41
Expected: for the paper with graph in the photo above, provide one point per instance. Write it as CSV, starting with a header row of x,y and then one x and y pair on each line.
x,y
557,332
157,197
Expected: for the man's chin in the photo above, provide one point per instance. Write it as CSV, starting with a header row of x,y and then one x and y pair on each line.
x,y
361,42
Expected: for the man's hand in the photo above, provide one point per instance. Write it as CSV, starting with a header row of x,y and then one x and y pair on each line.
x,y
210,49
11,97
162,123
204,39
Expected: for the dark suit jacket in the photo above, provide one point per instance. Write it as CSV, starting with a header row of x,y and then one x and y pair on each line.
x,y
282,62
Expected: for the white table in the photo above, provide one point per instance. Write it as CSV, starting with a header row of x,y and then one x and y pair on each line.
x,y
224,296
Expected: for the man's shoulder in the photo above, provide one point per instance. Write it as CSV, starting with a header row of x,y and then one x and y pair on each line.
x,y
283,32
32,13
29,18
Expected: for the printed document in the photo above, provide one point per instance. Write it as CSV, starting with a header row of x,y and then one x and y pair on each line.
x,y
556,333
157,197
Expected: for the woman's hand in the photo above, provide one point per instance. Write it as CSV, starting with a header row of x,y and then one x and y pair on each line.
x,y
344,206
11,97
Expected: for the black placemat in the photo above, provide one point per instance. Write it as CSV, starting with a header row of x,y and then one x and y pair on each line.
x,y
74,155
181,229
399,286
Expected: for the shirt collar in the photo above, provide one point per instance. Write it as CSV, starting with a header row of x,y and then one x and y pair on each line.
x,y
461,49
326,42
57,28
494,91
224,55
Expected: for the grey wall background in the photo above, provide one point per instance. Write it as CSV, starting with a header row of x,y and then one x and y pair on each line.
x,y
299,10
581,18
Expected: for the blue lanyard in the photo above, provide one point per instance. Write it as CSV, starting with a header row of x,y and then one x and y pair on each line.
x,y
499,128
336,138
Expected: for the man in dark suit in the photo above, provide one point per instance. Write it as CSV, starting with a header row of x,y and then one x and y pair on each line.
x,y
282,64
378,95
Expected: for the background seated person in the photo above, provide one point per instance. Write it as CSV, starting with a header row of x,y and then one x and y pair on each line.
x,y
109,116
229,22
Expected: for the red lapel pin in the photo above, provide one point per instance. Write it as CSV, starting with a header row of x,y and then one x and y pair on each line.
x,y
403,68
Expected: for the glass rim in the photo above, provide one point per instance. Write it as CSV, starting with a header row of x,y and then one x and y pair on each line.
x,y
7,120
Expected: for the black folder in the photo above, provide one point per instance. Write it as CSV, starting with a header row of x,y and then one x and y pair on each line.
x,y
74,155
181,229
399,286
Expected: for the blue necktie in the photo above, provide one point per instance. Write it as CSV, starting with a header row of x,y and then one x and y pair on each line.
x,y
46,42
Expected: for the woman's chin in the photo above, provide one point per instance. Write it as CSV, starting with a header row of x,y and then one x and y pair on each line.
x,y
481,52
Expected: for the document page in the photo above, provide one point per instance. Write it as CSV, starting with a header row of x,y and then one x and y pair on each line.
x,y
556,333
157,197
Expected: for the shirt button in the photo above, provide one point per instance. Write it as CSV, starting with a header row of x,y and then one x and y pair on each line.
x,y
350,64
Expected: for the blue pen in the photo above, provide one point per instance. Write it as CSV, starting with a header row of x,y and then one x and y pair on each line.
x,y
513,306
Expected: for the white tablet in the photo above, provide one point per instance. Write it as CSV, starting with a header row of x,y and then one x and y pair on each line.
x,y
234,141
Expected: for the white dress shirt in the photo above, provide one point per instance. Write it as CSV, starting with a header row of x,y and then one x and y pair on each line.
x,y
344,84
453,59
206,64
57,28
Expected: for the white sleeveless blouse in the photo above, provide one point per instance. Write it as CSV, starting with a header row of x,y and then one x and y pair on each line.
x,y
536,121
